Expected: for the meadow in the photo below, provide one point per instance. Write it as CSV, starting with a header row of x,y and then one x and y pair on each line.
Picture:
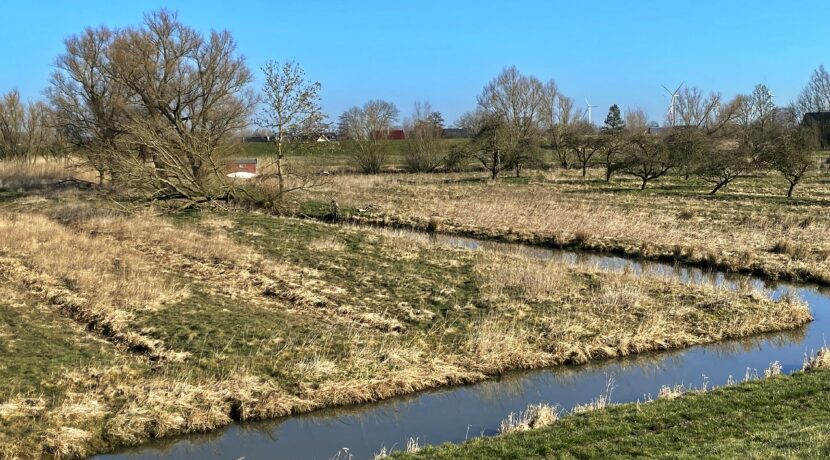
x,y
124,322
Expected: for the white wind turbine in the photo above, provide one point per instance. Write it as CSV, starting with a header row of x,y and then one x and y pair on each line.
x,y
672,113
589,107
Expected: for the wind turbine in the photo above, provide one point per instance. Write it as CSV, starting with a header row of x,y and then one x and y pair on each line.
x,y
588,104
672,113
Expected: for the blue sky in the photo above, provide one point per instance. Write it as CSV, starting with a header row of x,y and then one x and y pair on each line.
x,y
606,51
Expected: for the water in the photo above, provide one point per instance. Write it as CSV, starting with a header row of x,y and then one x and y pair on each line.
x,y
459,413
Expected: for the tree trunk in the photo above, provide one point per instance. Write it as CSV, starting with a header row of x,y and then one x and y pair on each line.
x,y
790,190
584,169
718,187
608,172
643,186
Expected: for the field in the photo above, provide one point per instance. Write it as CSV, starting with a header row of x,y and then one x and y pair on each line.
x,y
336,156
123,322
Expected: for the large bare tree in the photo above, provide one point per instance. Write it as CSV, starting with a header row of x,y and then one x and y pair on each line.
x,y
521,102
160,94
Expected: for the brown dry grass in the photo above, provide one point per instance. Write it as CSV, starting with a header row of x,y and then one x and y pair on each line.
x,y
25,175
535,314
742,233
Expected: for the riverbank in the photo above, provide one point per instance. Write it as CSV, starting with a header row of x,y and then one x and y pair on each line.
x,y
746,229
778,417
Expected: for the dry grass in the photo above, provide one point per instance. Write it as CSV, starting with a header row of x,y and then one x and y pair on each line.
x,y
821,360
743,233
25,175
115,272
535,416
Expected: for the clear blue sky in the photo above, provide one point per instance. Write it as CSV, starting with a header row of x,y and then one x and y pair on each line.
x,y
606,51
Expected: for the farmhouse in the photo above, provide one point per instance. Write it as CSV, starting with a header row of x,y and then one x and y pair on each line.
x,y
242,168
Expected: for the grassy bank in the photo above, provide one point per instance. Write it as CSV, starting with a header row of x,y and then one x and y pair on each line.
x,y
158,325
779,417
747,228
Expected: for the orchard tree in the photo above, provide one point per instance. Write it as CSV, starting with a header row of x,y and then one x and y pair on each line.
x,y
687,146
647,158
584,144
791,156
726,161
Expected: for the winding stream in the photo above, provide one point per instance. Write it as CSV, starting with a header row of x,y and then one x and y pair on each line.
x,y
458,413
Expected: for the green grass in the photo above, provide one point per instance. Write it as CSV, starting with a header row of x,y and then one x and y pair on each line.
x,y
781,417
369,267
332,155
36,344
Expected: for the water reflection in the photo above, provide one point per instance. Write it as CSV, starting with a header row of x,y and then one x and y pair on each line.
x,y
455,414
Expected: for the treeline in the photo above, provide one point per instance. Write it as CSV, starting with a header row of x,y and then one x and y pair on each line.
x,y
715,140
153,108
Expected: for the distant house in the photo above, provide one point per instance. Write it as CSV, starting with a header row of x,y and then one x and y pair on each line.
x,y
455,133
820,122
391,135
250,139
242,168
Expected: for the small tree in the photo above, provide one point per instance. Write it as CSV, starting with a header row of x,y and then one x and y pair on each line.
x,y
724,163
585,145
290,106
687,147
647,158
367,127
791,155
424,150
489,143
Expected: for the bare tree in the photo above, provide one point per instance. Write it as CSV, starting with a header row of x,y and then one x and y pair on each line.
x,y
89,105
520,101
815,97
367,127
647,158
290,107
584,144
726,161
490,141
636,120
24,133
191,92
791,155
424,152
687,147
696,110
160,93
